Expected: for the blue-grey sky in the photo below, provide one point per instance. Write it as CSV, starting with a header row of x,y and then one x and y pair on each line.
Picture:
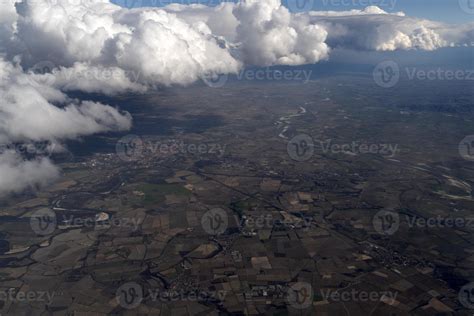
x,y
450,11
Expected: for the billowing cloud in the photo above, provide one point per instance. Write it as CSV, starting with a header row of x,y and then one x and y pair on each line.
x,y
178,44
370,10
265,33
268,34
33,110
87,78
375,29
18,173
261,33
156,44
381,32
220,19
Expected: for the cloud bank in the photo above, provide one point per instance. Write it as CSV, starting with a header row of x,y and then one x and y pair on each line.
x,y
48,48
33,110
19,174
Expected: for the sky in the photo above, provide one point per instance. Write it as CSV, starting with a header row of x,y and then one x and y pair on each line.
x,y
440,10
449,11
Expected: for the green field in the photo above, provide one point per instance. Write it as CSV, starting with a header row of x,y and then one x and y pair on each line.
x,y
155,193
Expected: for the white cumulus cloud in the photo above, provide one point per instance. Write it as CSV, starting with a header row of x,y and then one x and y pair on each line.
x,y
31,109
18,173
